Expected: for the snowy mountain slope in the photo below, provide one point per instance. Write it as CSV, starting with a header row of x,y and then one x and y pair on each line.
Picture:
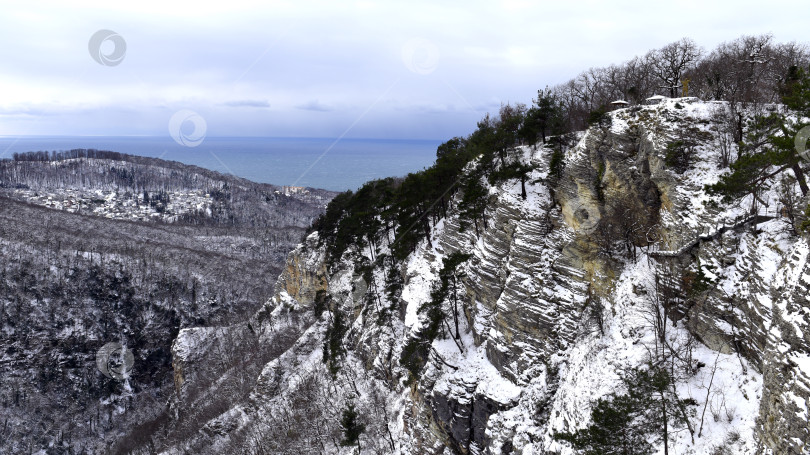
x,y
552,319
76,277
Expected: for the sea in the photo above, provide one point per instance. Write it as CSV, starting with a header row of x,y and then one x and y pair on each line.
x,y
332,164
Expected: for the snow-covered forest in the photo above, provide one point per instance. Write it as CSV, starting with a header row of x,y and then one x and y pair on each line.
x,y
74,278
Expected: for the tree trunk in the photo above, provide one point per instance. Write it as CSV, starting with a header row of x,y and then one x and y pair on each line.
x,y
455,308
682,409
523,186
797,171
426,224
666,429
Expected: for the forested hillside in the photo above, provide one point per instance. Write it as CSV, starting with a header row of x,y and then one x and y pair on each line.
x,y
124,186
73,280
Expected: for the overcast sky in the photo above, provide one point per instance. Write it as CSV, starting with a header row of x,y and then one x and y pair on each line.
x,y
377,69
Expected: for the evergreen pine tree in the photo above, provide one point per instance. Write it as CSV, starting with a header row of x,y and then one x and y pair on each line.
x,y
352,428
778,153
474,201
449,276
542,119
625,424
333,349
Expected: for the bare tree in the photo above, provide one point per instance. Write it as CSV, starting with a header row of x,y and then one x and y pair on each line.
x,y
724,127
670,63
624,225
790,202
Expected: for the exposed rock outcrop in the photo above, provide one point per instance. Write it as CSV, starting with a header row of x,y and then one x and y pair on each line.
x,y
555,311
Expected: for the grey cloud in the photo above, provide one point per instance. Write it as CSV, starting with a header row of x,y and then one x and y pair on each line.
x,y
247,103
316,106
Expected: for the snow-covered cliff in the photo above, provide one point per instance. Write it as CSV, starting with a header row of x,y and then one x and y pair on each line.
x,y
550,318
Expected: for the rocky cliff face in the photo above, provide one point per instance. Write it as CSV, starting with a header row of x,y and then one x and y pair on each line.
x,y
551,315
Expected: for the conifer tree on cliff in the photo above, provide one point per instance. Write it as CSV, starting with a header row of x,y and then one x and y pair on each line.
x,y
771,145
